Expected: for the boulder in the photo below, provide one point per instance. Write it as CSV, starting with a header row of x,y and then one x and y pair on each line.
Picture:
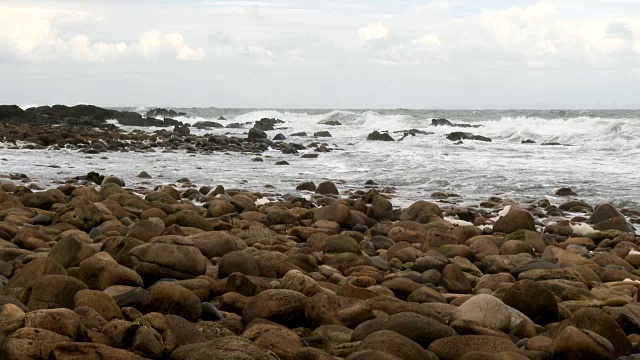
x,y
79,212
101,271
421,211
486,310
455,347
285,307
377,136
54,291
516,219
151,262
392,343
169,298
534,300
421,329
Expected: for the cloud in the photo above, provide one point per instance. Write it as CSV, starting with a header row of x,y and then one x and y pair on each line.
x,y
373,31
42,35
427,40
156,45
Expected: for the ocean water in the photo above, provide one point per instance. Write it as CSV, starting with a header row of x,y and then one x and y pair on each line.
x,y
598,159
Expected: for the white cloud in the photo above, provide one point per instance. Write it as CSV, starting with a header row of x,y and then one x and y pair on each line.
x,y
41,35
427,40
156,45
373,31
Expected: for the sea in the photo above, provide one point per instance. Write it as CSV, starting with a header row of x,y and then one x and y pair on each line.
x,y
598,155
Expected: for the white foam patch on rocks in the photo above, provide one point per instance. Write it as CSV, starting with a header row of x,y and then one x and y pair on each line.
x,y
262,201
634,252
457,222
630,280
504,211
582,229
482,227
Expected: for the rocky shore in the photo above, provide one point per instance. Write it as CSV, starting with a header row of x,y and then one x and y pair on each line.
x,y
184,272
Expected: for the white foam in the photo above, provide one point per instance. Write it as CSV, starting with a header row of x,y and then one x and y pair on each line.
x,y
634,252
262,201
581,229
457,222
504,211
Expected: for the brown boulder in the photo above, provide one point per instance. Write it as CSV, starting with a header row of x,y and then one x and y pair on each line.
x,y
454,347
168,298
90,351
151,262
31,343
101,271
395,344
215,243
516,219
534,300
285,307
99,301
79,212
421,211
54,291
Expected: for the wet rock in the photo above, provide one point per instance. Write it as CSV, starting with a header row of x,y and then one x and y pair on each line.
x,y
421,329
377,136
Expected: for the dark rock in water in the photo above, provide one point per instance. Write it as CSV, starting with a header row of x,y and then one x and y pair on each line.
x,y
256,134
310,156
282,162
234,126
221,118
182,130
279,137
413,132
327,187
528,141
331,122
445,122
266,124
307,185
299,134
377,136
441,122
207,124
92,176
551,144
258,159
289,150
459,135
160,112
144,175
322,134
607,217
565,191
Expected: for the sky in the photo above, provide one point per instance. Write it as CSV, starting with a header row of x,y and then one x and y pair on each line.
x,y
445,54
